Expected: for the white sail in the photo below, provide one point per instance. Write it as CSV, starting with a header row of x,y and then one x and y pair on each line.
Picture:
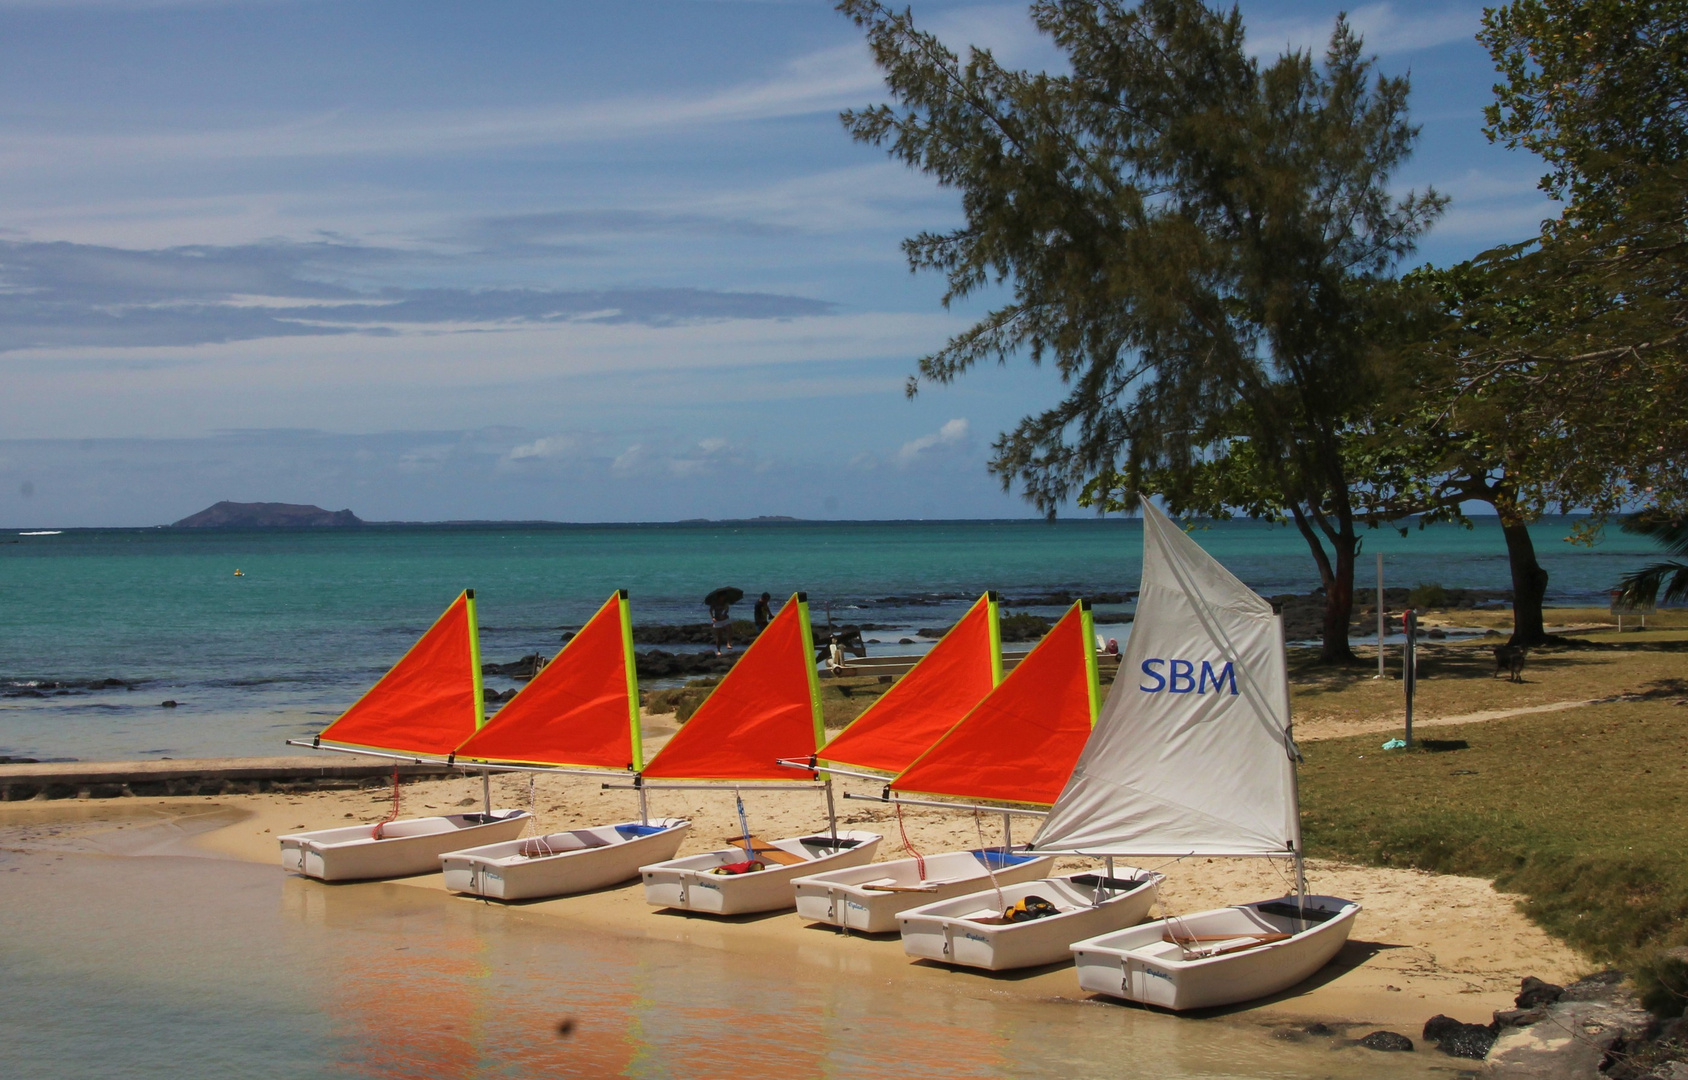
x,y
1192,751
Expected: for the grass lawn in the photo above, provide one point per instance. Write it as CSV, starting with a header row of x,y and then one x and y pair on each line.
x,y
1584,812
1458,679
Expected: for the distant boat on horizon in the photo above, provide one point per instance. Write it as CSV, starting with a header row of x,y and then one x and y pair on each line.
x,y
44,532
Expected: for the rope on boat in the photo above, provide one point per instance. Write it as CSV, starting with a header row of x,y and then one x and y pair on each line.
x,y
375,833
919,859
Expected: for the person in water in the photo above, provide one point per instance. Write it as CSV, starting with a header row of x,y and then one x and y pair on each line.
x,y
763,614
721,622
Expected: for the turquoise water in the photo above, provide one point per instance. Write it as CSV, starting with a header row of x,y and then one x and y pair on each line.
x,y
318,615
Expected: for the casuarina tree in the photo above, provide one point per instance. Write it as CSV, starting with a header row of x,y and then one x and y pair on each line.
x,y
1200,244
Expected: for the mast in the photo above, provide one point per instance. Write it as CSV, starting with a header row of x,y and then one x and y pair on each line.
x,y
1294,755
635,731
808,635
1089,622
480,687
994,616
632,664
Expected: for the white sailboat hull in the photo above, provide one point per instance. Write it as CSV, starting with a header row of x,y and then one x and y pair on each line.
x,y
689,884
967,930
1140,965
559,864
408,847
869,898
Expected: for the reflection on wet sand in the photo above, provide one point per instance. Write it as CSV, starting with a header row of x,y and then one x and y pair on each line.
x,y
247,972
442,989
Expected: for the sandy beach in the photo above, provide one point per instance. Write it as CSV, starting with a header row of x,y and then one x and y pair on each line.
x,y
1424,944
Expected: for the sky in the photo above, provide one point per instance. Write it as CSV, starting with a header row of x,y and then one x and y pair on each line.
x,y
574,261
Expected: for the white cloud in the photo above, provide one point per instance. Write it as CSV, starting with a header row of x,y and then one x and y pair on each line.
x,y
1384,29
952,433
1489,208
548,448
817,82
705,457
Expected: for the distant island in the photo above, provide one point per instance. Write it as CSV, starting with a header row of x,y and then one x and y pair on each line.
x,y
233,515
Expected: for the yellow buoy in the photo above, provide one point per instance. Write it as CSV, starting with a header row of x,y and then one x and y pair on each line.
x,y
240,573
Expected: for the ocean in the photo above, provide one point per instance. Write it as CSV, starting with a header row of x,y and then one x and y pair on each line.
x,y
317,615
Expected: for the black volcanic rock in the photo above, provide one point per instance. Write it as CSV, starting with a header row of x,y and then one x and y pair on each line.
x,y
233,515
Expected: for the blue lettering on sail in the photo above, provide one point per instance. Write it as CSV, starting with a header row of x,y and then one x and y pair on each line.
x,y
1226,672
1181,677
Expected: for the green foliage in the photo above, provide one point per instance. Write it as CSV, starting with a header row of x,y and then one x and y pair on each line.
x,y
1662,980
1597,88
1200,246
1642,586
1022,626
1425,596
682,701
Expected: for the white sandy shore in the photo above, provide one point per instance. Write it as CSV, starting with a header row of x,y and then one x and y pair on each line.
x,y
1424,944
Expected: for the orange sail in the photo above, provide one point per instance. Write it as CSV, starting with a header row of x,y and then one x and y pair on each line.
x,y
580,709
1020,744
430,701
931,699
767,707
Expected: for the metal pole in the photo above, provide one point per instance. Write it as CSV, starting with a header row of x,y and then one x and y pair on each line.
x,y
744,824
644,806
933,802
486,790
831,814
1380,627
1409,667
1007,833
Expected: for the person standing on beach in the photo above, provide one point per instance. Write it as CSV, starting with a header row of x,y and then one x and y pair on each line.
x,y
720,621
763,614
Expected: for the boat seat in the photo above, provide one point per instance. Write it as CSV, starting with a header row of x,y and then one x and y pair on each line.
x,y
1220,944
766,852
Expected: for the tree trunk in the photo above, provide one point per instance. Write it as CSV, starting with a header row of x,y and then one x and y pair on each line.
x,y
1339,603
1529,583
1338,580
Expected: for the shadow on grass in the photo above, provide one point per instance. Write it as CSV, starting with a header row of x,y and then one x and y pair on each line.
x,y
1665,688
1436,661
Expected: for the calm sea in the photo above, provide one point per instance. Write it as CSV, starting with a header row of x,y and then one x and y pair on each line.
x,y
317,615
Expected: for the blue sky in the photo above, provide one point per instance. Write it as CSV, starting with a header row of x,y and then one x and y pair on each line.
x,y
573,261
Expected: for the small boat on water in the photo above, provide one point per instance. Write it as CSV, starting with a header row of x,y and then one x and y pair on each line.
x,y
766,708
1018,745
578,712
941,689
427,705
1194,756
